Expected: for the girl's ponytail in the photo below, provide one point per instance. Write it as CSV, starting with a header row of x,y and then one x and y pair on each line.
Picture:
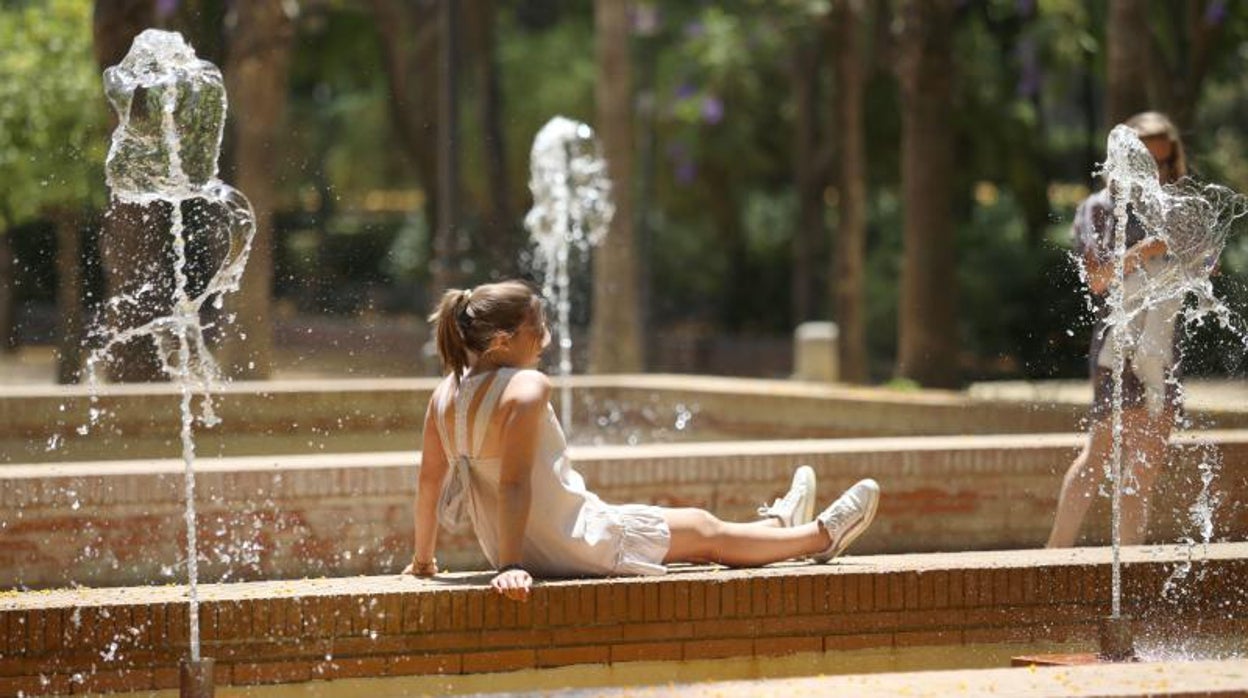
x,y
466,323
449,320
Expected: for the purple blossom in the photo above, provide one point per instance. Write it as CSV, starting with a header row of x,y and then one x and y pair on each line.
x,y
166,8
685,90
683,167
712,109
686,172
1215,13
694,29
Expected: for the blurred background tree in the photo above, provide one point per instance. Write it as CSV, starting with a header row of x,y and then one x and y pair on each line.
x,y
906,168
52,146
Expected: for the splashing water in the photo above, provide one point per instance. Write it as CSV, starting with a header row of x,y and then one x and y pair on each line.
x,y
1193,219
171,108
1200,516
572,209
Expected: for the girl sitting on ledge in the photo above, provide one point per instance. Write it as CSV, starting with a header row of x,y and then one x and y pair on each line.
x,y
490,426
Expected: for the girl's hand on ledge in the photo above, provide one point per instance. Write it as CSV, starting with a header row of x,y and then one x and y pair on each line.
x,y
513,583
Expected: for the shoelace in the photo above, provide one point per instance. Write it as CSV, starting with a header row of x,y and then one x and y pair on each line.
x,y
786,503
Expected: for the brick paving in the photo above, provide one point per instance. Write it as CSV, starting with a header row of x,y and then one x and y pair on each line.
x,y
1227,678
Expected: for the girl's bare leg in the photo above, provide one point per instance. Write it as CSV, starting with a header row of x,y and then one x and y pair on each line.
x,y
1080,485
1145,452
1149,452
698,536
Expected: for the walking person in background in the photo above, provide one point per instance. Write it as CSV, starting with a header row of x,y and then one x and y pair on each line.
x,y
1150,379
490,427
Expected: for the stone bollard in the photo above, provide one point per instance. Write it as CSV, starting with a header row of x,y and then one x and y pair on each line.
x,y
815,352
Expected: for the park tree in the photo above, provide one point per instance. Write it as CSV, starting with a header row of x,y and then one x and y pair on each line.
x,y
616,333
809,177
1158,56
129,256
426,78
499,229
927,320
849,246
410,38
1188,43
50,150
1128,60
256,73
728,120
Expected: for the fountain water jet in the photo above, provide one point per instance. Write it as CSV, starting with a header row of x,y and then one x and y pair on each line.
x,y
571,209
1193,220
171,108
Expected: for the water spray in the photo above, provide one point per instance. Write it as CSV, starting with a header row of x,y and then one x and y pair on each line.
x,y
572,209
1193,220
171,108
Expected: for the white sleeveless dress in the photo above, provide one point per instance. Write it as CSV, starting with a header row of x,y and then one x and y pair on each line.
x,y
570,531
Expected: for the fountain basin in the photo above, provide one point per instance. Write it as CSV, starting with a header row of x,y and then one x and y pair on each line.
x,y
40,424
116,523
284,631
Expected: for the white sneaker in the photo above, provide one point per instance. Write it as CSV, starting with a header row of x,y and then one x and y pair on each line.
x,y
797,506
848,517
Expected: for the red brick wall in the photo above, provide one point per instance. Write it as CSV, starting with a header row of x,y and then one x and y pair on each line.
x,y
296,516
273,632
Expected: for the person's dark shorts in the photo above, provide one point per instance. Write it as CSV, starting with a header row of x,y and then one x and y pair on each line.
x,y
1132,391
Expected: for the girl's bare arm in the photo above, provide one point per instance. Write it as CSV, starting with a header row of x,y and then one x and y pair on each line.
x,y
433,470
1101,273
525,401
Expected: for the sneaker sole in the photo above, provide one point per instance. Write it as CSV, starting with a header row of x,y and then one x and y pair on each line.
x,y
852,534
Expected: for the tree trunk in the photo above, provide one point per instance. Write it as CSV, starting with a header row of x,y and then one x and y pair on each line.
x,y
257,67
8,295
129,251
1198,31
136,253
927,322
68,295
616,333
805,80
114,25
411,46
1128,60
849,255
725,216
446,235
500,232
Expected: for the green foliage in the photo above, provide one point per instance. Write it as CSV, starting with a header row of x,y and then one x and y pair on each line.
x,y
1020,304
52,127
341,141
545,73
714,166
903,385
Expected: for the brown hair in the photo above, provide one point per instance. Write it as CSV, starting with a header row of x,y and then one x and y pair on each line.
x,y
466,321
1154,124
